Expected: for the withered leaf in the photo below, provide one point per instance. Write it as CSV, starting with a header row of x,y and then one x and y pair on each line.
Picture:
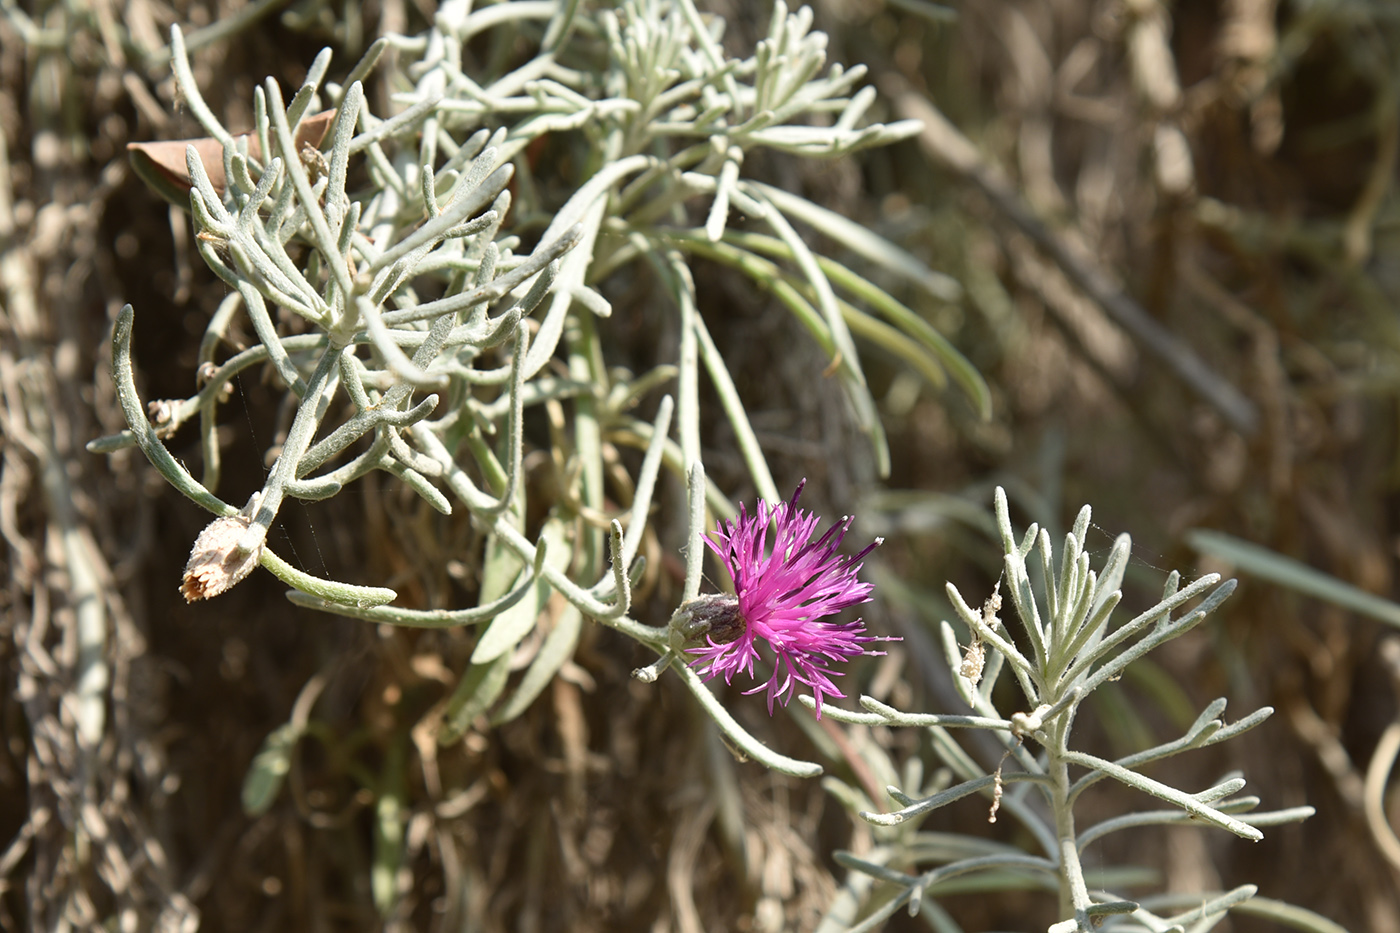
x,y
161,164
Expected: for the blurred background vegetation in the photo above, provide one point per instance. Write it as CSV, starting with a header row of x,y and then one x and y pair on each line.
x,y
1128,181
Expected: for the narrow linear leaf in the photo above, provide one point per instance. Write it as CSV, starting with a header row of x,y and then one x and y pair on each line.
x,y
558,647
893,310
508,628
269,769
860,240
1288,915
1294,574
475,693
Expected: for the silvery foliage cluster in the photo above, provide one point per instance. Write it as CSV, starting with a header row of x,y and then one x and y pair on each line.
x,y
427,330
433,389
1072,648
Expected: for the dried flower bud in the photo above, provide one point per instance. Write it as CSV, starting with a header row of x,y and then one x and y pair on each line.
x,y
998,789
976,656
973,661
161,413
215,562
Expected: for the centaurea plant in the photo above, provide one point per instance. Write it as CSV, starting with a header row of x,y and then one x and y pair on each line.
x,y
436,302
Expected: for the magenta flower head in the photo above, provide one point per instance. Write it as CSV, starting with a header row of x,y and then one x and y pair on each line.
x,y
782,594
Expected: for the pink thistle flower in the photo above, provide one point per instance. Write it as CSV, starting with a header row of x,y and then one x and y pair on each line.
x,y
782,594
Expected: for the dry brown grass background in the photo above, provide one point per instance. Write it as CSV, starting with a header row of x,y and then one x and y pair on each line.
x,y
1227,165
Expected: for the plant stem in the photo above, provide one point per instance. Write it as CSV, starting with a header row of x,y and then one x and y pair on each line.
x,y
299,436
1074,893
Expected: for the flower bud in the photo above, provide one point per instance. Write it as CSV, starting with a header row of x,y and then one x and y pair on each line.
x,y
215,562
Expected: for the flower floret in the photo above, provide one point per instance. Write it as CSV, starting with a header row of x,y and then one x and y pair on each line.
x,y
783,593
